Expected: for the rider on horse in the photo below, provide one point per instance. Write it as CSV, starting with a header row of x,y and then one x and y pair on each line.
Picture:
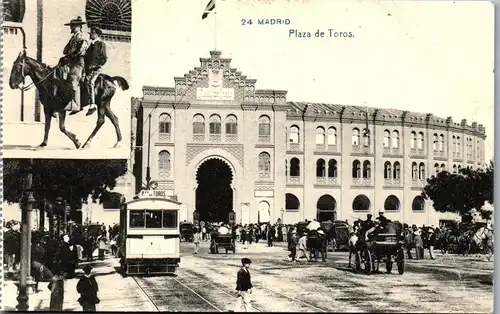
x,y
72,64
95,58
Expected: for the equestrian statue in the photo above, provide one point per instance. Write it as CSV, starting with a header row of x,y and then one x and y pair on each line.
x,y
76,82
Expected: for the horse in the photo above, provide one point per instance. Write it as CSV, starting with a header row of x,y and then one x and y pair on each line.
x,y
483,238
317,243
43,79
353,240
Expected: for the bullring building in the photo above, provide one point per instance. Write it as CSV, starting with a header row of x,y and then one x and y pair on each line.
x,y
221,145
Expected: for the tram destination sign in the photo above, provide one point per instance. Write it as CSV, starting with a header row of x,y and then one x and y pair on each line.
x,y
156,193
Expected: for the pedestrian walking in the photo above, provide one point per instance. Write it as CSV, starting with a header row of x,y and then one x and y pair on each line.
x,y
87,287
432,242
419,245
293,247
196,240
409,242
303,246
102,245
270,235
56,287
244,287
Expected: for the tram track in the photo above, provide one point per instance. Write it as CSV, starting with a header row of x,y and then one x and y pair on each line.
x,y
161,306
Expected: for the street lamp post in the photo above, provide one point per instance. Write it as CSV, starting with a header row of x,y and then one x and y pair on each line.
x,y
27,202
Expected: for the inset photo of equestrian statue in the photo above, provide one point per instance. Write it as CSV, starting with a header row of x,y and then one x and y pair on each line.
x,y
67,76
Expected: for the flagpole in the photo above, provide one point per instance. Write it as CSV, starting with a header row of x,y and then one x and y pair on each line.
x,y
215,25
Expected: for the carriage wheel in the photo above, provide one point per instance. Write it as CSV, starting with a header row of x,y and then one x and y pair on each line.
x,y
388,264
367,257
357,262
401,261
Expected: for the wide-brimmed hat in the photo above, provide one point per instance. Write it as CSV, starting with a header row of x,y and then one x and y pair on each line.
x,y
77,21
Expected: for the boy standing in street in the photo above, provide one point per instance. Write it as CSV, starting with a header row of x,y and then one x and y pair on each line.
x,y
244,287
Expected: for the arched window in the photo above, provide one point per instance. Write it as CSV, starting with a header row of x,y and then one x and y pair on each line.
x,y
165,124
264,211
413,140
441,143
332,136
215,124
387,170
436,169
163,163
294,134
264,125
326,203
295,167
395,139
291,202
320,168
459,146
264,162
435,142
478,150
414,171
387,139
443,167
454,143
320,135
114,15
198,124
355,137
356,169
286,167
231,125
367,171
420,140
332,168
418,204
361,203
454,168
421,171
392,203
397,171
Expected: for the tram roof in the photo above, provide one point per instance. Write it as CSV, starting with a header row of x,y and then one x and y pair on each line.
x,y
153,199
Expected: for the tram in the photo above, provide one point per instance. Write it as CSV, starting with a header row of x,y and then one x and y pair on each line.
x,y
150,238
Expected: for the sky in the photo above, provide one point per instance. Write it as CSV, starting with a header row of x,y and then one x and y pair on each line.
x,y
423,56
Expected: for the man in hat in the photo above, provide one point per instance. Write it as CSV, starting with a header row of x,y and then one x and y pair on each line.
x,y
87,287
244,286
74,53
432,241
95,58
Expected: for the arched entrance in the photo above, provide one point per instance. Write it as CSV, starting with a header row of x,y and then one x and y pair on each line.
x,y
214,195
326,207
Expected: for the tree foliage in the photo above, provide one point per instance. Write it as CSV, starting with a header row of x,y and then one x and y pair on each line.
x,y
460,192
73,180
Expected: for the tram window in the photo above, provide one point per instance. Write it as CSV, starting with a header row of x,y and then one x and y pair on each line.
x,y
137,219
169,219
153,219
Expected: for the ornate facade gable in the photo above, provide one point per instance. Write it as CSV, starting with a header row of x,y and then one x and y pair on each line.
x,y
216,81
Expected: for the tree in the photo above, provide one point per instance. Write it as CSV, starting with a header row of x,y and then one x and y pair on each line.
x,y
460,192
73,180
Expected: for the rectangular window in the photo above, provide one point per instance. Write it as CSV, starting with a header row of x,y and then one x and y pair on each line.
x,y
214,128
165,127
169,219
199,128
153,218
264,129
231,128
136,219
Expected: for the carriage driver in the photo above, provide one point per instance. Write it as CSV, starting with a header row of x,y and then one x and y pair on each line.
x,y
74,59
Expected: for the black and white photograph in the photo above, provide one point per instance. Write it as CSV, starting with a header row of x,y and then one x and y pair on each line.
x,y
278,156
67,76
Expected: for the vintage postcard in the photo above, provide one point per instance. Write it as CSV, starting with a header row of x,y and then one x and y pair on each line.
x,y
283,156
67,76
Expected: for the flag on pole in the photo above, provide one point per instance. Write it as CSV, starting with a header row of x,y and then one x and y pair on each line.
x,y
209,8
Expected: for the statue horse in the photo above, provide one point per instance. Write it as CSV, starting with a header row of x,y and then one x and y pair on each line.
x,y
483,238
43,78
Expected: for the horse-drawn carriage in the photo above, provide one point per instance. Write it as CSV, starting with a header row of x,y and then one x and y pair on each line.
x,y
222,241
186,231
386,246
